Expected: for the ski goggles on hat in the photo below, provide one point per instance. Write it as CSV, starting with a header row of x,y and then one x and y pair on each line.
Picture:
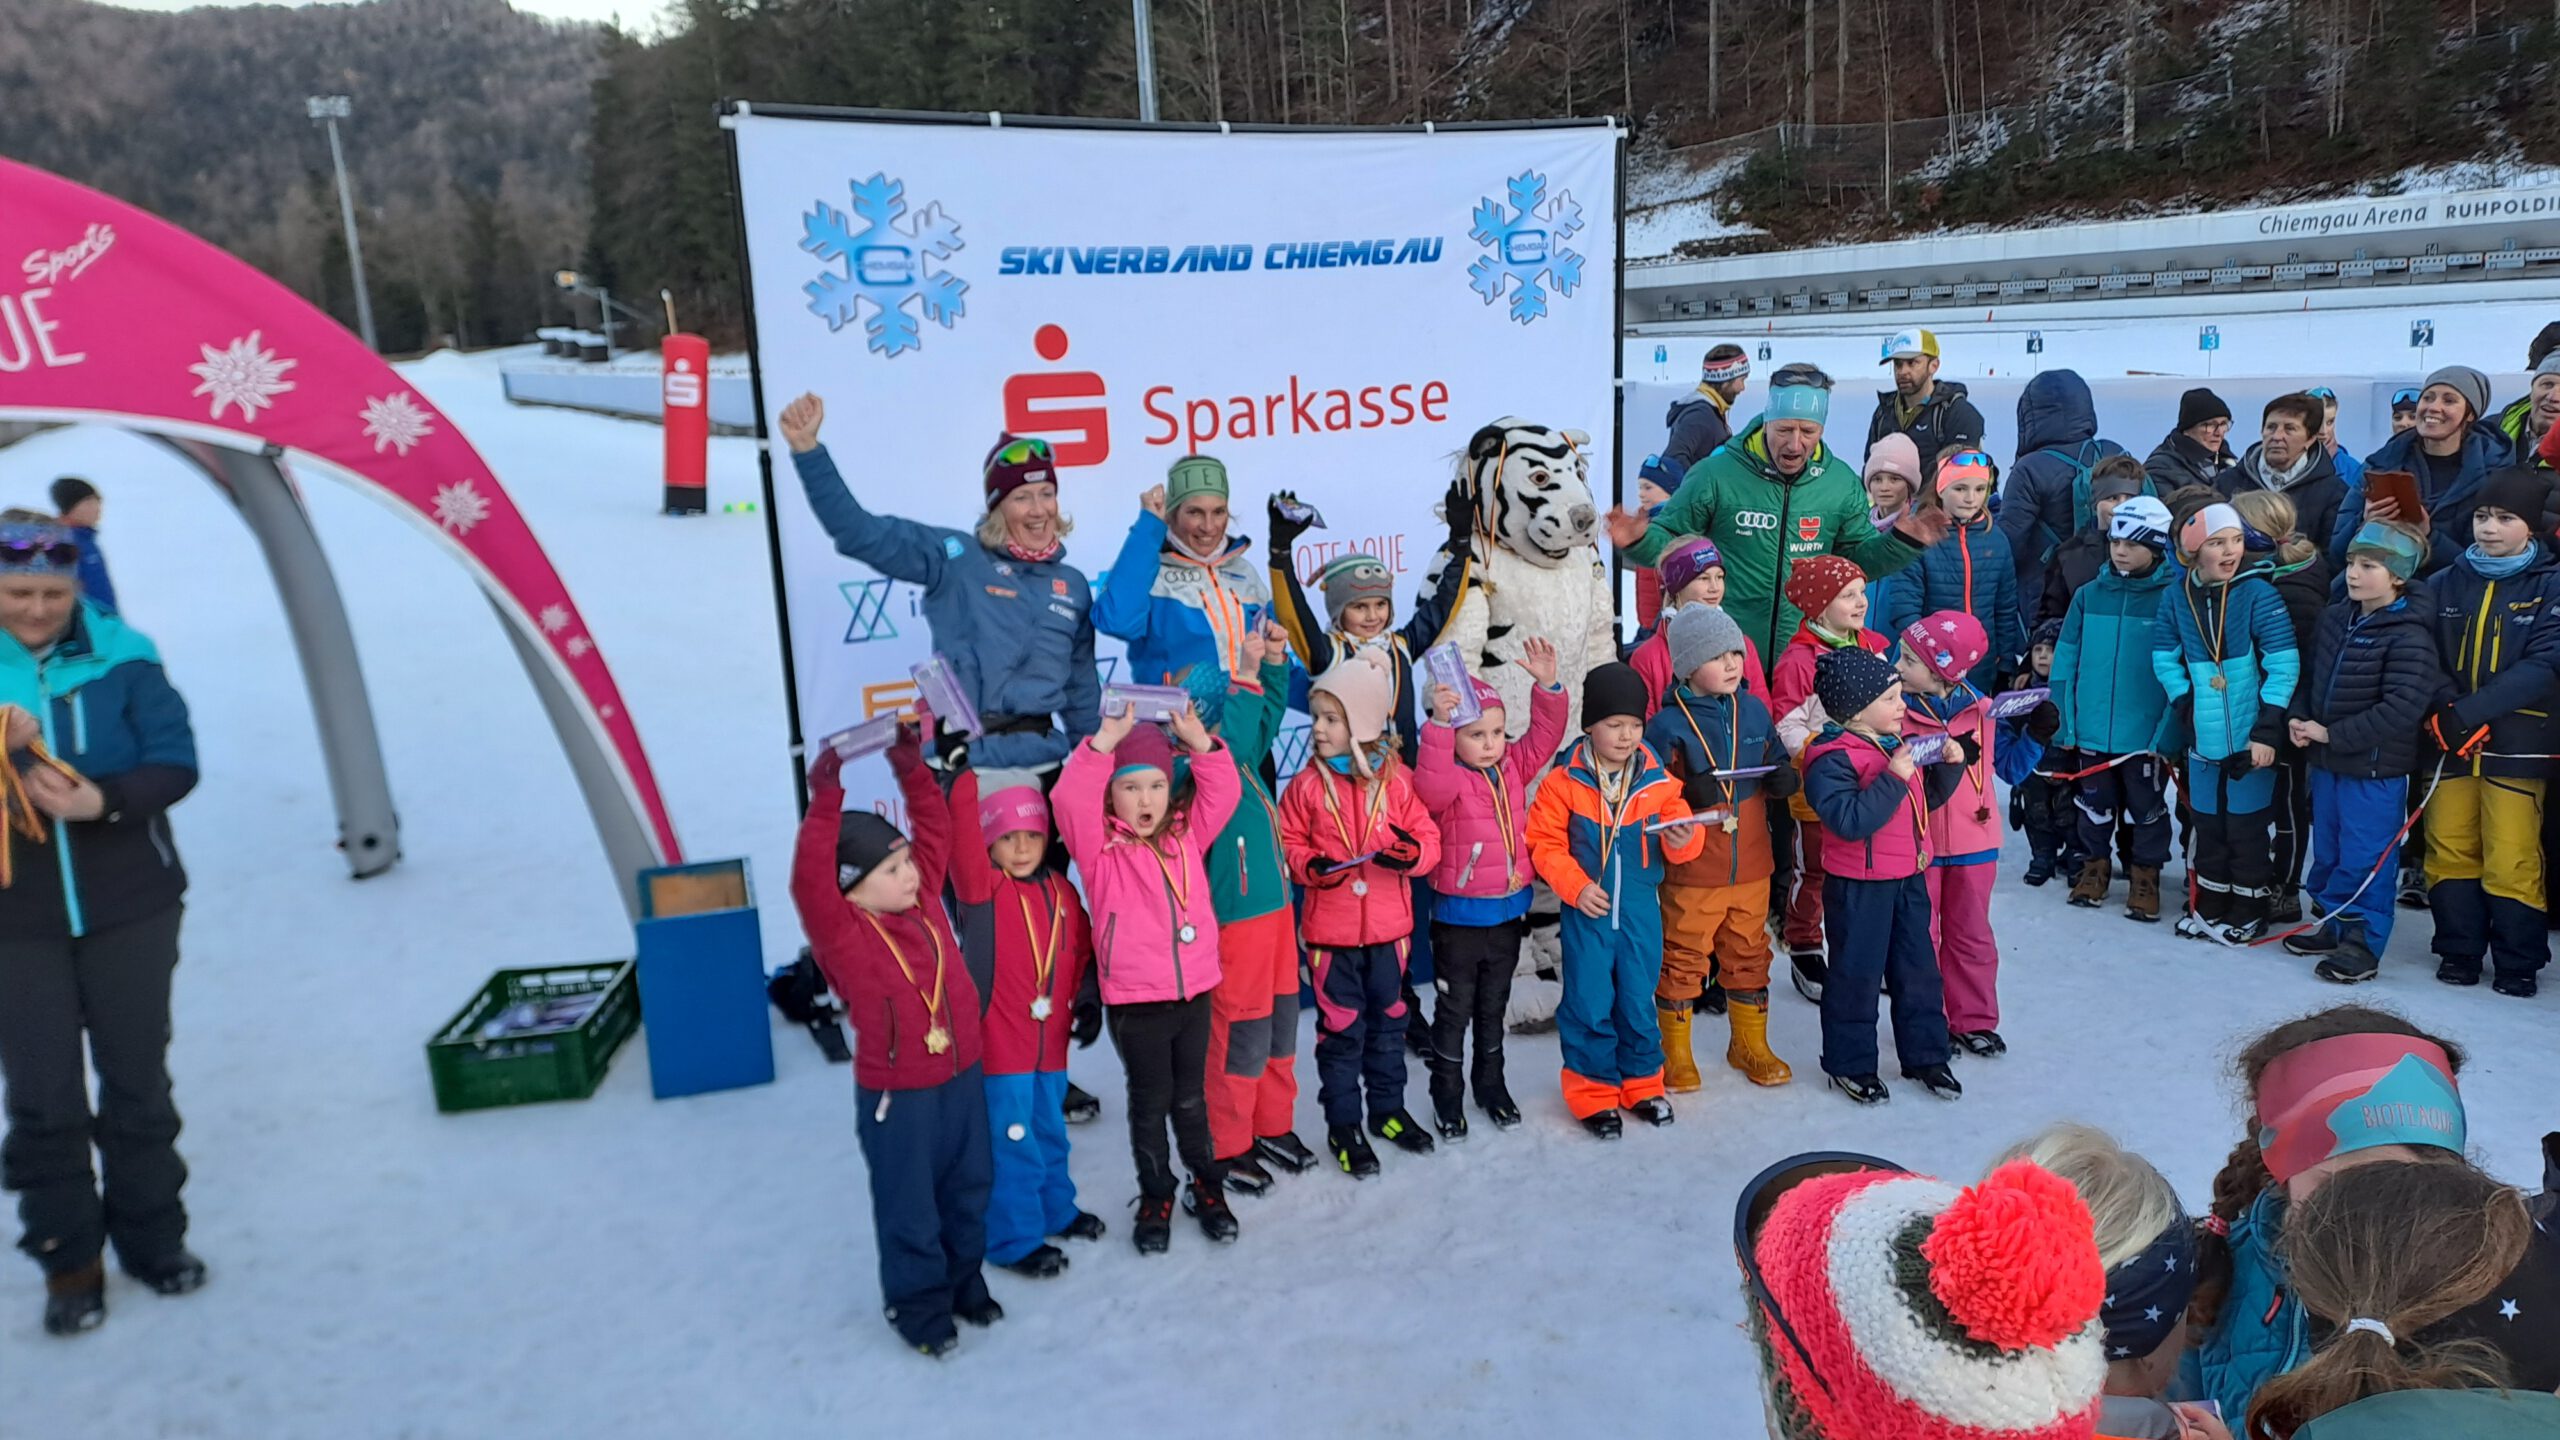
x,y
39,549
1964,465
1020,452
2355,1092
2405,398
1751,1212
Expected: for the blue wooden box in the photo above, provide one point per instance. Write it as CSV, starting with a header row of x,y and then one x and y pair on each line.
x,y
701,963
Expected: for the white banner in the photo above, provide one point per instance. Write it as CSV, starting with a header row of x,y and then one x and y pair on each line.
x,y
1329,313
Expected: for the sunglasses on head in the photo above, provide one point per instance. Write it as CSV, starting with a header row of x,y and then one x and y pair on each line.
x,y
1759,1199
61,553
2321,392
1969,457
2407,395
1023,452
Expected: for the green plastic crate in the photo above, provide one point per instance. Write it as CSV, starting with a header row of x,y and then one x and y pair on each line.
x,y
560,1056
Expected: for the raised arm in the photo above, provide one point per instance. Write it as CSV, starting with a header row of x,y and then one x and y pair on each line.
x,y
824,916
1548,709
1075,803
973,871
1123,607
900,549
928,816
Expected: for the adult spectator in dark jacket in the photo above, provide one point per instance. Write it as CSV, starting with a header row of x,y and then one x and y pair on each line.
x,y
2289,460
78,503
1933,412
2195,452
1702,422
89,934
2080,559
2045,502
2532,416
2452,450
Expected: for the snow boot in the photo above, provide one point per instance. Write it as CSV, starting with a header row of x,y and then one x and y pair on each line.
x,y
1045,1263
1605,1125
2242,930
2522,987
2039,868
2089,887
1712,999
2284,908
1654,1110
1080,1106
1449,1114
1810,971
176,1273
1938,1080
1153,1234
1245,1175
981,1312
1399,1128
1351,1151
1285,1150
2457,972
1679,1067
76,1300
1983,1044
1086,1226
2142,893
2318,940
1498,1106
2350,963
2413,890
1205,1200
1748,1050
2192,926
1865,1089
938,1346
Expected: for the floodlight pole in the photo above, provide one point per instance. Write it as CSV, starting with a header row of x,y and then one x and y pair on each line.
x,y
1146,61
330,109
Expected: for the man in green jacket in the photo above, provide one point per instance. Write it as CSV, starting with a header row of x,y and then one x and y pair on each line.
x,y
1772,496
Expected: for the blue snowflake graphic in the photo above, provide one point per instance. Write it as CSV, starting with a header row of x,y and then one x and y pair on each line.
x,y
1526,239
870,602
881,277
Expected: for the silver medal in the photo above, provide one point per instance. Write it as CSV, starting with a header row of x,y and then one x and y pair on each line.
x,y
1359,887
1040,1007
1189,934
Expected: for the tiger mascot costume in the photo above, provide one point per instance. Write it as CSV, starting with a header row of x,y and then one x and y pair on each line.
x,y
1538,573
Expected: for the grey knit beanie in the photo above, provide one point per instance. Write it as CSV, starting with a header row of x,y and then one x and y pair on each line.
x,y
1700,633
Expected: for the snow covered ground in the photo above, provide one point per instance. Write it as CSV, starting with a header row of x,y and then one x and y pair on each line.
x,y
703,1267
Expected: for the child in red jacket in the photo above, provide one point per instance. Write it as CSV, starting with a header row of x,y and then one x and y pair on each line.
x,y
1475,782
1355,835
1832,593
1024,935
1139,854
888,952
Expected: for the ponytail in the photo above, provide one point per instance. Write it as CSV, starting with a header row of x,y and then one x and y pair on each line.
x,y
2242,1179
2382,1252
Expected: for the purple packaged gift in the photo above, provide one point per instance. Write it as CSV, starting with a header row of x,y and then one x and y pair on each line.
x,y
1446,666
2010,703
1151,703
868,738
939,687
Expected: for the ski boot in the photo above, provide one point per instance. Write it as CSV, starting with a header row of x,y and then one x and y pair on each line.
x,y
1205,1200
1654,1110
1938,1080
1864,1089
1498,1106
1351,1151
1810,970
1985,1044
1399,1128
1245,1176
1080,1107
1045,1263
1285,1150
1449,1112
1606,1125
1153,1234
1086,1226
981,1312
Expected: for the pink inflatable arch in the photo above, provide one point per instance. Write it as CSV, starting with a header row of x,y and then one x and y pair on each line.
x,y
110,314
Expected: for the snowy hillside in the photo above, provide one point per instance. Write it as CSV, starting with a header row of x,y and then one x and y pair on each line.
x,y
703,1268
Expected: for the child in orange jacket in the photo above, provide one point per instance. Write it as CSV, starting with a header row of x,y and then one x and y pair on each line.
x,y
1355,835
1589,837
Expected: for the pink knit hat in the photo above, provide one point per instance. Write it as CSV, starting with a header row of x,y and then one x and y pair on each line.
x,y
1895,454
1364,685
1487,698
1949,642
1015,807
1917,1311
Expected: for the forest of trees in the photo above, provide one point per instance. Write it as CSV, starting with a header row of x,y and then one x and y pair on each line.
x,y
491,147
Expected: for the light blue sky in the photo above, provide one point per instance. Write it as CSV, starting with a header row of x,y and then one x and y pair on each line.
x,y
637,15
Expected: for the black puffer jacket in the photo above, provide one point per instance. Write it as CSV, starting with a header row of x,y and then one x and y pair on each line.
x,y
2179,461
1945,418
2304,588
2372,679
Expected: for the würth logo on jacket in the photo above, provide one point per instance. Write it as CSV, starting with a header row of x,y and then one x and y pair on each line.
x,y
1809,528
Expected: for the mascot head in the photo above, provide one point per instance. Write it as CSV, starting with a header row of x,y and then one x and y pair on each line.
x,y
1532,490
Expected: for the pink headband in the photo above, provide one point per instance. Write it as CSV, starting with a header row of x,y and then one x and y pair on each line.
x,y
2354,1092
1015,807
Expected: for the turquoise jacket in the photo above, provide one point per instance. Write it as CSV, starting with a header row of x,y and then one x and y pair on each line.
x,y
2470,1414
2103,682
2261,1331
2231,647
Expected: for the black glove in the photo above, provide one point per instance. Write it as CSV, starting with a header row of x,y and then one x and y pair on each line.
x,y
2044,722
1961,750
951,748
1085,1023
1702,791
2017,807
1329,873
2453,734
1459,505
2237,765
1284,531
1782,782
1402,853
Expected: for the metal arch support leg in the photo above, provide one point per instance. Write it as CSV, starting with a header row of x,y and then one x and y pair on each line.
x,y
630,845
360,786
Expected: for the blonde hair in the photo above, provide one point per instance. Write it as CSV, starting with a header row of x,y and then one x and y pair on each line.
x,y
2274,514
991,528
2130,1201
21,515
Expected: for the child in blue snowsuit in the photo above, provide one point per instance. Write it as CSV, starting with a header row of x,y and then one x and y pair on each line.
x,y
2224,651
2112,708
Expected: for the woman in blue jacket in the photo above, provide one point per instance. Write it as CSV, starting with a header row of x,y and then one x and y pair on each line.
x,y
2452,450
1006,609
1184,592
89,933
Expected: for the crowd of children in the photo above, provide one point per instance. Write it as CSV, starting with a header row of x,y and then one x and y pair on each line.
x,y
2195,679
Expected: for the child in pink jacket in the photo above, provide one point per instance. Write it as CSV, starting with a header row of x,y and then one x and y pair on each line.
x,y
1355,836
1475,783
1156,943
1964,833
